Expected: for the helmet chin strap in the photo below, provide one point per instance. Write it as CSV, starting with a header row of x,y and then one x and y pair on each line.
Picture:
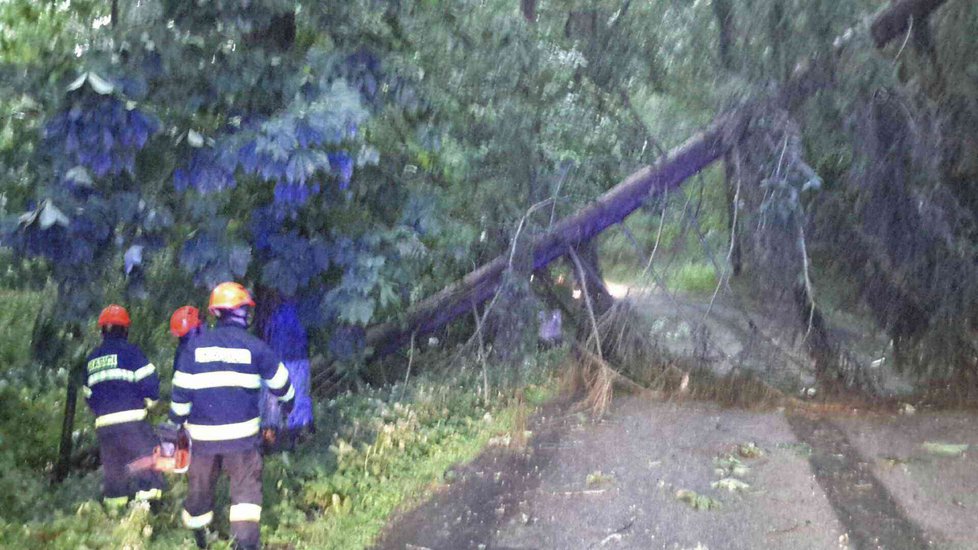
x,y
237,317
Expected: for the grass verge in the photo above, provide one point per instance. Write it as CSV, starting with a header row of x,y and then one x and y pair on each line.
x,y
375,452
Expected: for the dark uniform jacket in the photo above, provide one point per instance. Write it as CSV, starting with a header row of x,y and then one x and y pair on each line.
x,y
182,344
120,383
216,389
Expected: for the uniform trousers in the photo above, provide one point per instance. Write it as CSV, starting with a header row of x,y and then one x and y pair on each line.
x,y
119,446
244,471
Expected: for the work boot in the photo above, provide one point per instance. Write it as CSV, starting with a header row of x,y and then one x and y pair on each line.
x,y
200,537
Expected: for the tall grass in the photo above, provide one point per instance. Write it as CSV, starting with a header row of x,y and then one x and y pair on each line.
x,y
16,323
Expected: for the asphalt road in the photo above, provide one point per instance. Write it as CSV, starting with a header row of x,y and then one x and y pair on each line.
x,y
856,480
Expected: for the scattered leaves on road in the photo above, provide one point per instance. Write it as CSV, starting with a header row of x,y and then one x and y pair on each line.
x,y
944,449
697,501
730,484
750,450
597,478
730,466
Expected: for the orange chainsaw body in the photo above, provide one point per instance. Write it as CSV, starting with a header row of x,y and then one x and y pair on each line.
x,y
173,458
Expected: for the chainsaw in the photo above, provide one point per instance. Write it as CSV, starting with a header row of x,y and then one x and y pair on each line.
x,y
172,455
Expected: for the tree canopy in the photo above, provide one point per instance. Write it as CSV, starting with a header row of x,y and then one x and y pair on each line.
x,y
359,156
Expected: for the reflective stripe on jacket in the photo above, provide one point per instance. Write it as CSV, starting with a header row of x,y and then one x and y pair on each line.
x,y
119,382
216,388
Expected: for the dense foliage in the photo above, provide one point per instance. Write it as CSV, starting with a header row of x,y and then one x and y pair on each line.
x,y
347,159
374,451
354,171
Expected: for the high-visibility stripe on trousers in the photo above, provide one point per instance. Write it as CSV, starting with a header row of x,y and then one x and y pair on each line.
x,y
149,494
115,503
245,512
197,522
244,471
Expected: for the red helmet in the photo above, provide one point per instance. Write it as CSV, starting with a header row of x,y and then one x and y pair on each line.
x,y
229,296
184,320
114,315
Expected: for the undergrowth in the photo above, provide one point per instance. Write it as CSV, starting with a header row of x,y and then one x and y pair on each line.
x,y
387,453
375,452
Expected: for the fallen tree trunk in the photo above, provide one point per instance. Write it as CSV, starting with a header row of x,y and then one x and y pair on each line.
x,y
613,206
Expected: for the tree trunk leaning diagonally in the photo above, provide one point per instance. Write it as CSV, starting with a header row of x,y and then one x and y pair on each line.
x,y
614,205
66,445
76,377
609,209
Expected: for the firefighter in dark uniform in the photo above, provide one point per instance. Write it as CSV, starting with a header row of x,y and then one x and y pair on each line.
x,y
184,325
120,385
215,397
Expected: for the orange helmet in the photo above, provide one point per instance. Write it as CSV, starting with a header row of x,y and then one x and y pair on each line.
x,y
184,320
114,315
229,296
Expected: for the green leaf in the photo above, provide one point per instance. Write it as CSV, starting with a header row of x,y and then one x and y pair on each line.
x,y
388,295
697,501
357,309
239,259
80,176
598,478
78,82
944,449
750,450
46,215
730,484
100,85
194,139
